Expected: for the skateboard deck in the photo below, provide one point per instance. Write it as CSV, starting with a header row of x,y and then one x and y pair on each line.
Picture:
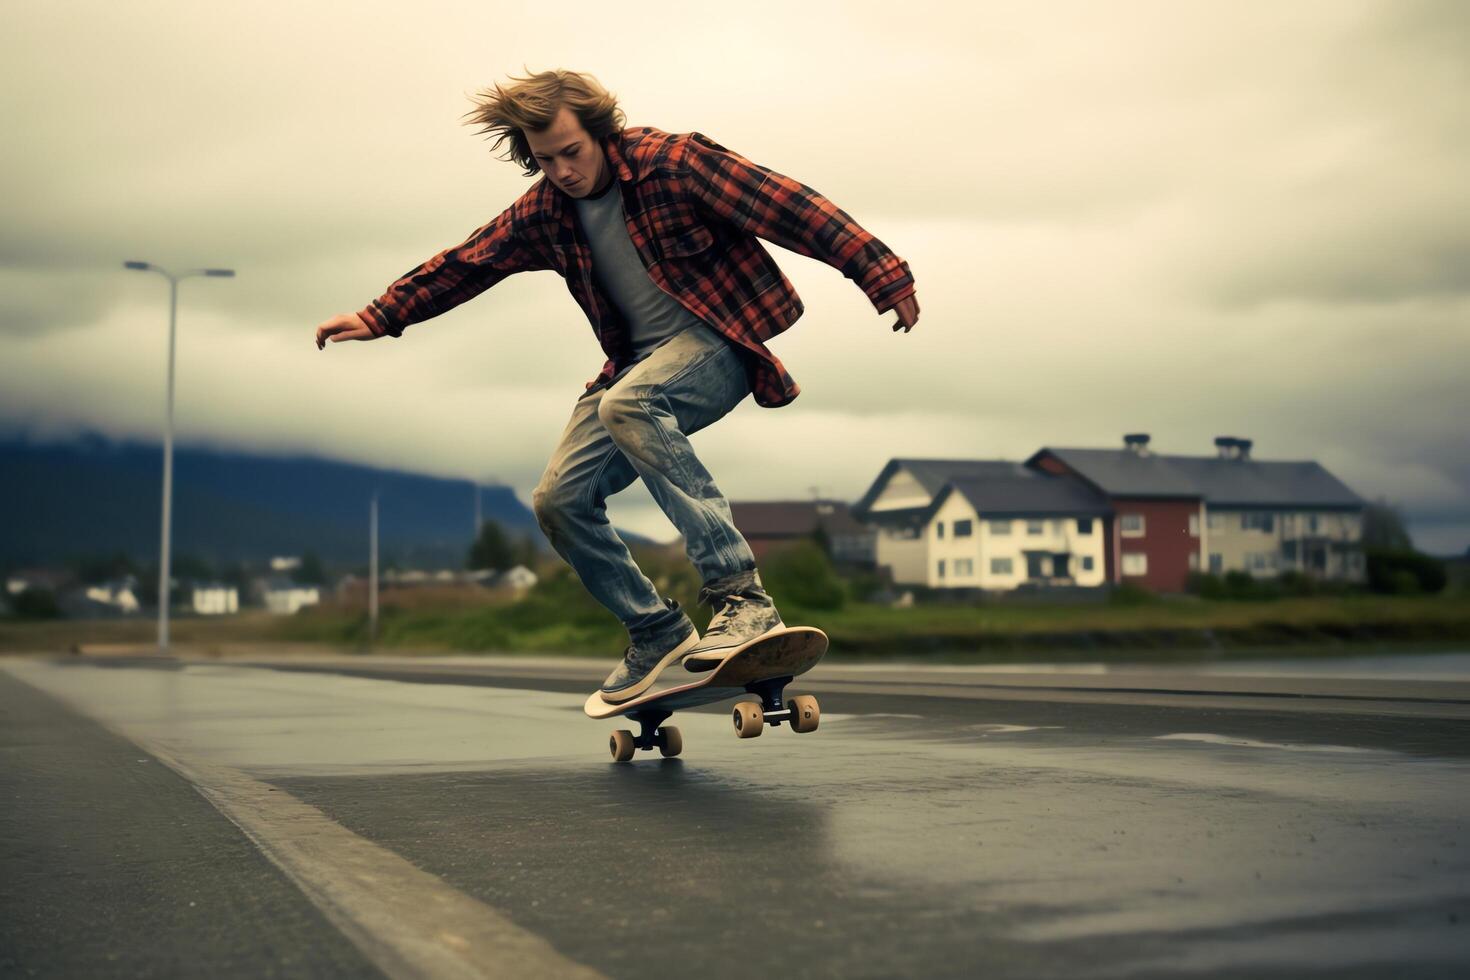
x,y
761,668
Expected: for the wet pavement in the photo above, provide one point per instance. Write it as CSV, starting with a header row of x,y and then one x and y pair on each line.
x,y
978,823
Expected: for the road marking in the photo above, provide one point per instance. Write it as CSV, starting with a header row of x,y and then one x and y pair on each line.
x,y
408,922
1251,743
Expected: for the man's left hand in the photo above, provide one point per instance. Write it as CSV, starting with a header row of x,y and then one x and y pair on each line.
x,y
908,312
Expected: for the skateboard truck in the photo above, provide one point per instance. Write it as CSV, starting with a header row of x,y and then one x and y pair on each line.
x,y
650,736
751,719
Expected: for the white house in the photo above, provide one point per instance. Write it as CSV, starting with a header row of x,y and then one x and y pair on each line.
x,y
519,577
215,599
285,597
120,594
999,526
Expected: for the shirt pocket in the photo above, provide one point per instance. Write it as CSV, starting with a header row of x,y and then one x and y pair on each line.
x,y
678,231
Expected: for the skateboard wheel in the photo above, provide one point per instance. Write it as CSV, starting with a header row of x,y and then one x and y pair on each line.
x,y
805,713
670,742
622,745
749,719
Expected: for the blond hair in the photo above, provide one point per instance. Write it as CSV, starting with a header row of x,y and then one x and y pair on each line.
x,y
533,102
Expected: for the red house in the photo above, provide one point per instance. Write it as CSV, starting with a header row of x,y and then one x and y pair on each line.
x,y
1154,534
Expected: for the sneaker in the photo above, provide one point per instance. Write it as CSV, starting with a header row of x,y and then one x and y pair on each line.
x,y
643,661
744,612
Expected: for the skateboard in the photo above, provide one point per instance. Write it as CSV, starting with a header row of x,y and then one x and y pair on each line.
x,y
762,667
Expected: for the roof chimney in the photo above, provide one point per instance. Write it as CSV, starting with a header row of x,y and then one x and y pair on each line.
x,y
1136,441
1225,446
1243,448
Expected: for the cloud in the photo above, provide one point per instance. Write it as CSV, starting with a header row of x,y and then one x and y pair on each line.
x,y
1183,219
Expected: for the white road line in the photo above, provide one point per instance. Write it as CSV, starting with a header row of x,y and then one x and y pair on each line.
x,y
409,923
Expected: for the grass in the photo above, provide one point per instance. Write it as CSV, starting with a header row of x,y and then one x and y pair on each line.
x,y
563,620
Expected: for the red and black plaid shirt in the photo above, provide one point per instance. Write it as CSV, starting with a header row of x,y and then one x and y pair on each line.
x,y
694,210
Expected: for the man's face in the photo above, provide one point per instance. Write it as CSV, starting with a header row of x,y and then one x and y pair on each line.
x,y
569,156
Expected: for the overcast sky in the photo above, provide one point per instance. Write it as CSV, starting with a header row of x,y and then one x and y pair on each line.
x,y
1182,218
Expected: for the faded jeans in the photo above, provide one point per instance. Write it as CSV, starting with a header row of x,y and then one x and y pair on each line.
x,y
638,426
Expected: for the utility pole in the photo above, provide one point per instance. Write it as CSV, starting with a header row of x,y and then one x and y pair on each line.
x,y
373,573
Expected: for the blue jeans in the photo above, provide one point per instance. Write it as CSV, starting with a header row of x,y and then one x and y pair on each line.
x,y
638,426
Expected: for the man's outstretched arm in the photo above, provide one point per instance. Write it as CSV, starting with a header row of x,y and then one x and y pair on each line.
x,y
455,275
795,216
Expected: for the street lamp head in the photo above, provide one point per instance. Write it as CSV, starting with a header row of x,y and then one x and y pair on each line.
x,y
136,265
219,272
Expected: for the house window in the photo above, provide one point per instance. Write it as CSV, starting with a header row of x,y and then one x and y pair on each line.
x,y
1084,525
1087,563
1194,525
1217,562
1035,527
1000,527
941,568
1132,525
1135,563
1313,524
1000,566
963,529
1260,561
939,529
964,566
1194,561
1258,522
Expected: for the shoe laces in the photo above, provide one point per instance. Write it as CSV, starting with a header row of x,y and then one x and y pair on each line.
x,y
725,615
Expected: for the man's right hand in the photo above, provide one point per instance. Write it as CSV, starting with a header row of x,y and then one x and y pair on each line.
x,y
344,326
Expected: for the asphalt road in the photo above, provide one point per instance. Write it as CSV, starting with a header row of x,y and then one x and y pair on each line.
x,y
355,816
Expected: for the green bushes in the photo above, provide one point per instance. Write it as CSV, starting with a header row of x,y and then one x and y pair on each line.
x,y
802,575
1129,594
1242,586
1397,571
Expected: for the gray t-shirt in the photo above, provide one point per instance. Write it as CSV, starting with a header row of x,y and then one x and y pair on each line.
x,y
653,315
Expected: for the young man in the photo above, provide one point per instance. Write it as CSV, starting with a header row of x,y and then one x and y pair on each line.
x,y
655,234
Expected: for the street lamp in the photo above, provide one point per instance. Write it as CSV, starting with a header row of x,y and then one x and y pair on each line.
x,y
168,433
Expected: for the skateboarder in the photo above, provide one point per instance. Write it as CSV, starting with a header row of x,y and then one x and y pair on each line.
x,y
655,234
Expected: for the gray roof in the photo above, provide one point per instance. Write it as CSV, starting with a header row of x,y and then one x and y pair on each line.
x,y
1124,473
1265,483
933,474
1035,494
766,518
1220,482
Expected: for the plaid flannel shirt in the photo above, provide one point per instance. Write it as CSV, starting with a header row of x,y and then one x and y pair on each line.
x,y
694,211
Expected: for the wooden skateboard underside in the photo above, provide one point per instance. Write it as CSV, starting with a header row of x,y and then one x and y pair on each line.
x,y
785,654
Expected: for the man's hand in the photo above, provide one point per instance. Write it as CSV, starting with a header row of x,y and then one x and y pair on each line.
x,y
908,312
344,326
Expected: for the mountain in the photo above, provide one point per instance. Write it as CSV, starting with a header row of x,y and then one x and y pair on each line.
x,y
94,496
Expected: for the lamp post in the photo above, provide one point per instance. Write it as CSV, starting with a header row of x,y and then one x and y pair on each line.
x,y
168,433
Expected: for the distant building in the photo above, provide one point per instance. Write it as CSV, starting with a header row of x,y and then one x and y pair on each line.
x,y
287,563
519,578
285,597
121,594
1154,534
214,599
993,525
1222,513
770,524
40,578
1092,517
